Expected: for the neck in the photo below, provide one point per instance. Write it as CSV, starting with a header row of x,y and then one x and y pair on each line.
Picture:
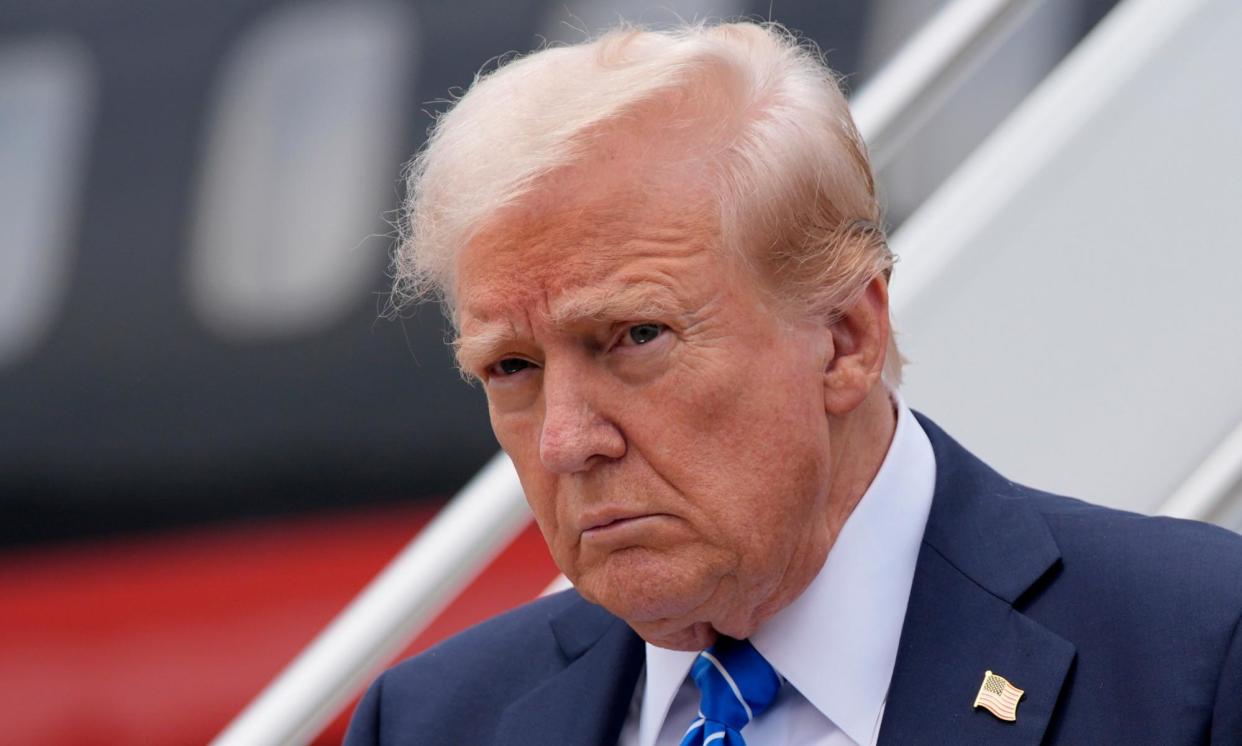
x,y
860,441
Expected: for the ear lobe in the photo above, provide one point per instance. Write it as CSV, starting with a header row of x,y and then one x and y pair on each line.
x,y
857,349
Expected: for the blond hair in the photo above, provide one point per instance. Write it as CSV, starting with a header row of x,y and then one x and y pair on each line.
x,y
796,195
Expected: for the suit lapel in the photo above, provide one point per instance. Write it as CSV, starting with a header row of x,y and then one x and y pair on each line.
x,y
954,632
587,701
981,552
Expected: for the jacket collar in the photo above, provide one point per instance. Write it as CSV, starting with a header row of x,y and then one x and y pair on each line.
x,y
981,552
587,701
977,524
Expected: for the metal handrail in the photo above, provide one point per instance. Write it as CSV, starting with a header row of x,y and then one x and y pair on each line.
x,y
486,515
915,83
1211,485
410,592
1014,153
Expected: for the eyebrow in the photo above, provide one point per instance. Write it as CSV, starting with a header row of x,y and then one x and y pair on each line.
x,y
472,350
637,302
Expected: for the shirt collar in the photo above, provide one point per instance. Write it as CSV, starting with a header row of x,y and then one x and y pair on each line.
x,y
837,642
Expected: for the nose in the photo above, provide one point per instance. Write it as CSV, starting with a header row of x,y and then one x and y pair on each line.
x,y
575,435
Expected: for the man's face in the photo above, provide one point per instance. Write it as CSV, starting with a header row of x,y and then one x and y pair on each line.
x,y
668,428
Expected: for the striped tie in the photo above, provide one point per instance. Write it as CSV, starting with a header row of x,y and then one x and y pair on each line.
x,y
735,685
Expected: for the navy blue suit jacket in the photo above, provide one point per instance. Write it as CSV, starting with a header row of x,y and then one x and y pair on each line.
x,y
1121,629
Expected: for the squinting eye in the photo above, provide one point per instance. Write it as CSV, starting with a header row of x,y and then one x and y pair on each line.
x,y
511,365
641,334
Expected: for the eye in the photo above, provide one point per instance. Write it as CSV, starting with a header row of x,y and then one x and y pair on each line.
x,y
510,366
641,334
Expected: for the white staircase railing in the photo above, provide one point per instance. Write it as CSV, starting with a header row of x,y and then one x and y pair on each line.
x,y
1211,486
406,596
911,87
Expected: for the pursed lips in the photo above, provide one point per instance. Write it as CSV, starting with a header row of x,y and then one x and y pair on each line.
x,y
601,520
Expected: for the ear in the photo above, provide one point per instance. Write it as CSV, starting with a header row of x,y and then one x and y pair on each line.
x,y
859,344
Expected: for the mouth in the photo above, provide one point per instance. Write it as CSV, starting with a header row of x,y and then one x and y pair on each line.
x,y
606,523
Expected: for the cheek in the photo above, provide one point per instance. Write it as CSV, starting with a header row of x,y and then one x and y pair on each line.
x,y
518,435
727,402
751,457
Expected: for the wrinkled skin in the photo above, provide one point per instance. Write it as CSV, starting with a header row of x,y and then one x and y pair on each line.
x,y
689,453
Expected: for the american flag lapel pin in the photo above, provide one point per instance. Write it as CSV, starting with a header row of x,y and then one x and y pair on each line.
x,y
999,697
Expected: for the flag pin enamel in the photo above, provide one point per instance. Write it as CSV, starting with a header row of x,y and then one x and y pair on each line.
x,y
999,697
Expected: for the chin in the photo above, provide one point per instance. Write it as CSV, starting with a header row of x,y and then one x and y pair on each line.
x,y
648,590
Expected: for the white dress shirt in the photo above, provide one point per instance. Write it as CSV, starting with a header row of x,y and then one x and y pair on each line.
x,y
836,644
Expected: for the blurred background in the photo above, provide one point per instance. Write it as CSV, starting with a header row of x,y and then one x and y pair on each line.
x,y
209,441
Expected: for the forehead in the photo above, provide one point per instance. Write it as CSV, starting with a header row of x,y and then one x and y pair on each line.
x,y
581,235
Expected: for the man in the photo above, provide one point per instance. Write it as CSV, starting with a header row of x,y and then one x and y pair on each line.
x,y
663,255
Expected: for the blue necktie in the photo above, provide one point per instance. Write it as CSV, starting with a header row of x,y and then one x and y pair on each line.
x,y
735,686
